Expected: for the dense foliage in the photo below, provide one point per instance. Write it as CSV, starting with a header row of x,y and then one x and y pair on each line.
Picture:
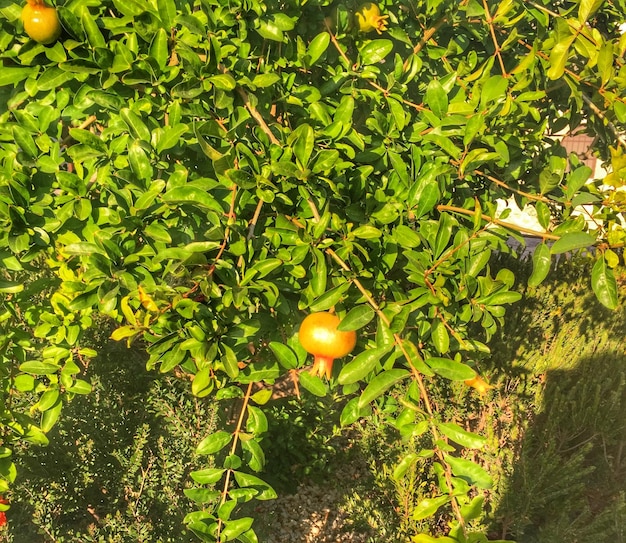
x,y
206,173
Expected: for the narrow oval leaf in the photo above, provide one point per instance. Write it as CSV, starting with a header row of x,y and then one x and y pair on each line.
x,y
313,384
541,265
437,98
380,384
329,298
191,195
360,366
285,356
318,45
470,471
245,480
571,242
440,336
461,436
376,50
450,369
429,506
34,367
207,476
404,465
357,318
604,284
351,412
214,442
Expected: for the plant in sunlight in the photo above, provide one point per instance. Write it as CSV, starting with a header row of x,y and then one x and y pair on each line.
x,y
207,173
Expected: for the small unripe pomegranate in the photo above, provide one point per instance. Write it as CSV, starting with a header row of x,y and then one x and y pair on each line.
x,y
41,22
319,336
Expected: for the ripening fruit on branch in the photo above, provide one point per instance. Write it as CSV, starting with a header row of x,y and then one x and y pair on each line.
x,y
479,384
41,22
319,336
368,18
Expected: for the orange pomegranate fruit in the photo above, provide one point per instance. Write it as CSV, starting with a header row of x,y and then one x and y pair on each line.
x,y
368,18
41,22
319,336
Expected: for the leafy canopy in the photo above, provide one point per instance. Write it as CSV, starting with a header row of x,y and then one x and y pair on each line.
x,y
207,172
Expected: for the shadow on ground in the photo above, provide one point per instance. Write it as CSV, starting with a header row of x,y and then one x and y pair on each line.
x,y
569,479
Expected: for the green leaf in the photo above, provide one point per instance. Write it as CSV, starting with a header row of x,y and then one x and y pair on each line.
x,y
423,197
48,399
232,529
428,507
285,356
461,436
254,457
10,75
168,137
587,8
313,384
440,337
500,298
351,412
90,26
361,365
223,81
302,139
473,509
214,442
541,265
50,416
329,298
493,90
367,231
135,124
317,47
405,464
559,55
187,194
437,98
604,284
376,50
470,471
358,317
11,287
52,78
202,383
380,384
202,495
207,476
265,80
264,491
159,49
25,141
269,30
139,161
34,367
80,387
450,369
572,241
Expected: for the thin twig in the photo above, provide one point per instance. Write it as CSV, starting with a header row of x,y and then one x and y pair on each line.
x,y
233,450
498,222
494,38
495,181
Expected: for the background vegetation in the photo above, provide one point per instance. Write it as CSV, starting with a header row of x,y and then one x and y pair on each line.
x,y
555,422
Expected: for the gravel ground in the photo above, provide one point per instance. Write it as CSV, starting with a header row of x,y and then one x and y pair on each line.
x,y
312,515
